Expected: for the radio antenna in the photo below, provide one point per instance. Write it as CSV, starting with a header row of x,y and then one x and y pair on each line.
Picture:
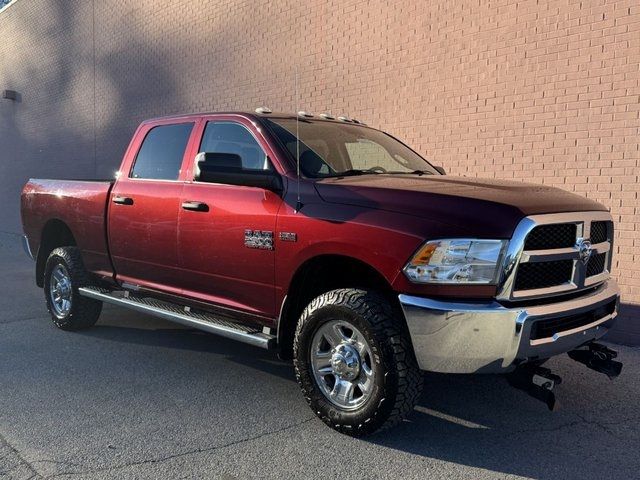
x,y
297,109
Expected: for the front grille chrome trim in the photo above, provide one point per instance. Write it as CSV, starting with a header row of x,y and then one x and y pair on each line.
x,y
516,255
560,253
596,279
549,255
541,292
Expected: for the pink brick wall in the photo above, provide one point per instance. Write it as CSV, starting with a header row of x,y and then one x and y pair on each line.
x,y
542,91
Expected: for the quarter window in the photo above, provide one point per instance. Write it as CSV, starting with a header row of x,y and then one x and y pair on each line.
x,y
225,137
160,156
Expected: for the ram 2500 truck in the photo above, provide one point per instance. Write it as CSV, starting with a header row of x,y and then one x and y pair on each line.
x,y
338,246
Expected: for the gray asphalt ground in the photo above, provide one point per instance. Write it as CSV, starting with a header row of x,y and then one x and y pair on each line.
x,y
135,397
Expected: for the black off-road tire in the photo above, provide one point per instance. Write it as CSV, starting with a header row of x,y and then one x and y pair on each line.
x,y
84,311
398,380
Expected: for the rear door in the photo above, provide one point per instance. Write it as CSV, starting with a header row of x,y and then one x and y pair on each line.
x,y
144,206
221,261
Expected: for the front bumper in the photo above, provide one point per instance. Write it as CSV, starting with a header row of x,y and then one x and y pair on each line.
x,y
459,337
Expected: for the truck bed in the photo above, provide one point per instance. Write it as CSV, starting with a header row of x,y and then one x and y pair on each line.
x,y
80,204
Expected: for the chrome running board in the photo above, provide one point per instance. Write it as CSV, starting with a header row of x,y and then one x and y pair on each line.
x,y
184,315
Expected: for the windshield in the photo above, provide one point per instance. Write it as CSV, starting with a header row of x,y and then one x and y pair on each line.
x,y
329,149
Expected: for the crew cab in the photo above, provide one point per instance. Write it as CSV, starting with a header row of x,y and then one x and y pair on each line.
x,y
339,247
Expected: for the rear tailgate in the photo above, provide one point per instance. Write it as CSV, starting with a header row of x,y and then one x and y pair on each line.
x,y
80,205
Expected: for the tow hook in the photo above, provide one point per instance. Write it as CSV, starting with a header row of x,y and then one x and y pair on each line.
x,y
538,382
599,358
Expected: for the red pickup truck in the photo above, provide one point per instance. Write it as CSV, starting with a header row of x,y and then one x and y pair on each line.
x,y
337,245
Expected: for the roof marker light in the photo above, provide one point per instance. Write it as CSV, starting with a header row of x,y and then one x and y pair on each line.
x,y
263,110
345,119
327,116
305,114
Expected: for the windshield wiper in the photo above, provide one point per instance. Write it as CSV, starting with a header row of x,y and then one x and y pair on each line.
x,y
353,172
376,171
412,172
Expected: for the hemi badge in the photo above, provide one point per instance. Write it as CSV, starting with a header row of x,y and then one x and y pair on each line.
x,y
288,237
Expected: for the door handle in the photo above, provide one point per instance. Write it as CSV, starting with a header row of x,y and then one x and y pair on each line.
x,y
122,200
195,206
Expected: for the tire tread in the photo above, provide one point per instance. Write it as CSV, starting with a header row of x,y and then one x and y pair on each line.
x,y
85,311
388,325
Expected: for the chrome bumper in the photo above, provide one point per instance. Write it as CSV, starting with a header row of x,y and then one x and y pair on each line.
x,y
459,337
27,248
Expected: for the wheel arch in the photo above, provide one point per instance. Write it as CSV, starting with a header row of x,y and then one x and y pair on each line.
x,y
320,274
55,233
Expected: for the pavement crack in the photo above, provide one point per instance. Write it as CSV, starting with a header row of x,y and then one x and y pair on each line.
x,y
57,462
23,461
604,426
183,454
16,320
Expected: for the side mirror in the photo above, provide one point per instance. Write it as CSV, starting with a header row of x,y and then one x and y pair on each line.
x,y
440,170
226,168
207,163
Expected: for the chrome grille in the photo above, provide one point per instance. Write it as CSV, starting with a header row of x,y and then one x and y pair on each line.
x,y
596,264
558,235
599,232
557,253
543,275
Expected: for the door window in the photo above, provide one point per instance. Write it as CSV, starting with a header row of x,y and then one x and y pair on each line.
x,y
226,137
161,153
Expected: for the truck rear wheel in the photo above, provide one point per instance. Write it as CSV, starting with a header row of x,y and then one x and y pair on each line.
x,y
354,362
64,273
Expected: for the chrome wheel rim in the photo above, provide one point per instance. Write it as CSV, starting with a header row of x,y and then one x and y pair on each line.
x,y
342,364
60,291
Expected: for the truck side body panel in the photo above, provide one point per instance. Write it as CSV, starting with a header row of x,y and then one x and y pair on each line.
x,y
143,231
143,236
217,262
81,206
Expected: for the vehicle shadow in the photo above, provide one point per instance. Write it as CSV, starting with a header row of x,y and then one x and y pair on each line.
x,y
481,421
473,420
134,328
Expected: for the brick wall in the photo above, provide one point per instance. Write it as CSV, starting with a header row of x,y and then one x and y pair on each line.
x,y
542,91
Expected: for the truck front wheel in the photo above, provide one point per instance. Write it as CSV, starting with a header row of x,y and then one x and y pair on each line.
x,y
354,361
64,273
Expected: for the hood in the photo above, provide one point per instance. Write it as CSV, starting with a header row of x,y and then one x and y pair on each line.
x,y
481,206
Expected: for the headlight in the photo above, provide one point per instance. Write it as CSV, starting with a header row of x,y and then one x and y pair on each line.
x,y
456,261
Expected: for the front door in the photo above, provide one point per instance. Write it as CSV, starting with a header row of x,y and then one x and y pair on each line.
x,y
144,208
223,237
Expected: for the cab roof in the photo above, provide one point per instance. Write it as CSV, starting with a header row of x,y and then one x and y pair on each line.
x,y
259,115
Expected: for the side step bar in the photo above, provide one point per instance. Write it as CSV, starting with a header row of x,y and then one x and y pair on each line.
x,y
175,313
